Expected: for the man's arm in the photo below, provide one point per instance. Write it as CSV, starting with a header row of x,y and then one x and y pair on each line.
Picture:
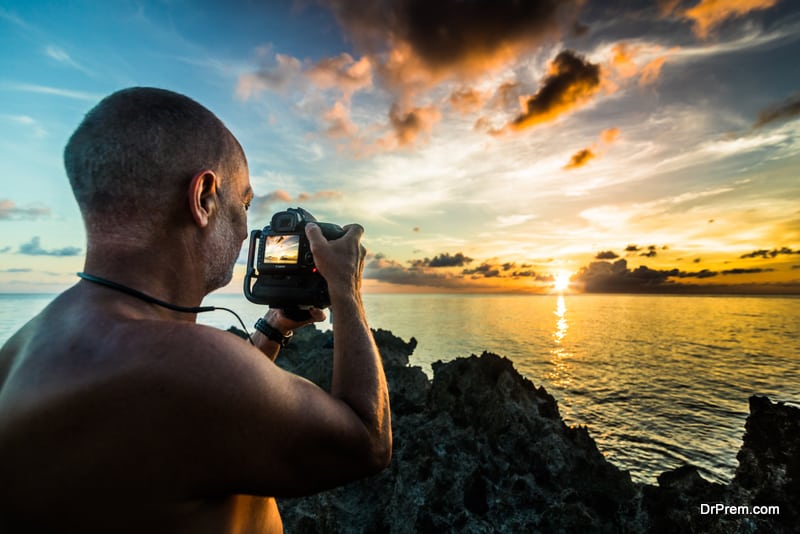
x,y
358,376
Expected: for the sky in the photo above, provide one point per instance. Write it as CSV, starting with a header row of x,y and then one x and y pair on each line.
x,y
485,145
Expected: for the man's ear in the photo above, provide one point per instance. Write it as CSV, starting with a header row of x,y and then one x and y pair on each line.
x,y
203,196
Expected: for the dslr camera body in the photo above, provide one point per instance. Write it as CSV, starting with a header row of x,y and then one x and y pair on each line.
x,y
280,262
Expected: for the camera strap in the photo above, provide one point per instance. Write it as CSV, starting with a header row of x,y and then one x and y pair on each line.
x,y
152,300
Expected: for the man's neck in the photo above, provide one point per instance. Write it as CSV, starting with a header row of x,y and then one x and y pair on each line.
x,y
159,272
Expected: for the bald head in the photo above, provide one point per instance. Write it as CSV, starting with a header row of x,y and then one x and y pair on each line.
x,y
133,155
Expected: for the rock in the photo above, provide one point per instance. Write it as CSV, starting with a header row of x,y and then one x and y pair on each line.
x,y
479,448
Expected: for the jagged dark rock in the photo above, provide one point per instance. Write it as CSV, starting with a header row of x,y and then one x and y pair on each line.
x,y
479,448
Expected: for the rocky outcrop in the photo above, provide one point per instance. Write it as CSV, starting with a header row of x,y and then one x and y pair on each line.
x,y
479,448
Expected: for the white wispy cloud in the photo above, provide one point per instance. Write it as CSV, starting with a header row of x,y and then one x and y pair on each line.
x,y
57,91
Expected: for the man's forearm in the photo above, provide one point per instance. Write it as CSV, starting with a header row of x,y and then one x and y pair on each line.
x,y
358,376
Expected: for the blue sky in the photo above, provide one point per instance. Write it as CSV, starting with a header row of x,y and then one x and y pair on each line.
x,y
484,146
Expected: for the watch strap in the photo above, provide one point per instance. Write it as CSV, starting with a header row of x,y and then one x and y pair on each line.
x,y
273,333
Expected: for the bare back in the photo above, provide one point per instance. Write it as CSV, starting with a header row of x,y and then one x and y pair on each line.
x,y
96,432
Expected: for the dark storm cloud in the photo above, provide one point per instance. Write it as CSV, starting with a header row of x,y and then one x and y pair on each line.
x,y
606,255
787,109
631,249
767,254
10,210
33,248
570,82
452,35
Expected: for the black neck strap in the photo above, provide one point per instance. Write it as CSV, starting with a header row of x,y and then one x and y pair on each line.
x,y
152,300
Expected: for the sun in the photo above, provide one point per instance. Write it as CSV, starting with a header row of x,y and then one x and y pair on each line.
x,y
562,281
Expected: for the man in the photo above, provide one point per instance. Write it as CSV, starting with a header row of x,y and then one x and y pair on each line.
x,y
120,415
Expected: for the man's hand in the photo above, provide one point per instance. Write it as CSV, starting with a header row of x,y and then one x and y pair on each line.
x,y
341,261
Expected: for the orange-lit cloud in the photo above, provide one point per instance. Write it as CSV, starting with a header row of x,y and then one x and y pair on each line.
x,y
609,135
626,62
571,81
709,14
262,204
338,121
580,158
343,73
584,156
466,100
622,60
407,125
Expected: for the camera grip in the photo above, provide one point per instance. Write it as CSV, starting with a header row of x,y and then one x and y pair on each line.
x,y
330,231
297,314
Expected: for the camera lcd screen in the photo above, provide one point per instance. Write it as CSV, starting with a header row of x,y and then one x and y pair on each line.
x,y
282,249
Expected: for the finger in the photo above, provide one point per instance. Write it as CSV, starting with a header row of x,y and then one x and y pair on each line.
x,y
317,315
354,229
315,236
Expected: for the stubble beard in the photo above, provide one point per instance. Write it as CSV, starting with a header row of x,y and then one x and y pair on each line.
x,y
222,254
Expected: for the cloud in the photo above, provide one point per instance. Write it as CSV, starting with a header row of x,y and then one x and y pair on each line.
x,y
62,56
709,14
430,41
25,120
606,255
609,135
651,252
484,270
33,248
444,260
755,270
10,211
570,82
466,100
768,254
408,125
513,220
17,270
264,203
580,158
387,270
43,89
787,109
629,61
343,73
279,76
585,155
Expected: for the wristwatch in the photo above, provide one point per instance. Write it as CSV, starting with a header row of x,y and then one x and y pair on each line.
x,y
273,333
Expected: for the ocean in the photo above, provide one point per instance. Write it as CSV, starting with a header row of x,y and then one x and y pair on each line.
x,y
660,381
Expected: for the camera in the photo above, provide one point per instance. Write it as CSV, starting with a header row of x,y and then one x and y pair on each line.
x,y
280,267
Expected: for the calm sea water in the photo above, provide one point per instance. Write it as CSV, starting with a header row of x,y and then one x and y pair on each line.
x,y
659,380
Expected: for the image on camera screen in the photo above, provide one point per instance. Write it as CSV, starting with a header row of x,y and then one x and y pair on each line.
x,y
283,249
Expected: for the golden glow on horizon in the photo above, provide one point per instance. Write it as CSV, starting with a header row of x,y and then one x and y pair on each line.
x,y
561,283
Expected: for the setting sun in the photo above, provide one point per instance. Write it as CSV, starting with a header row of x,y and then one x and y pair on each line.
x,y
562,281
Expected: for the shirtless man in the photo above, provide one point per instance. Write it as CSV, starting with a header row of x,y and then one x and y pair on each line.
x,y
119,415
